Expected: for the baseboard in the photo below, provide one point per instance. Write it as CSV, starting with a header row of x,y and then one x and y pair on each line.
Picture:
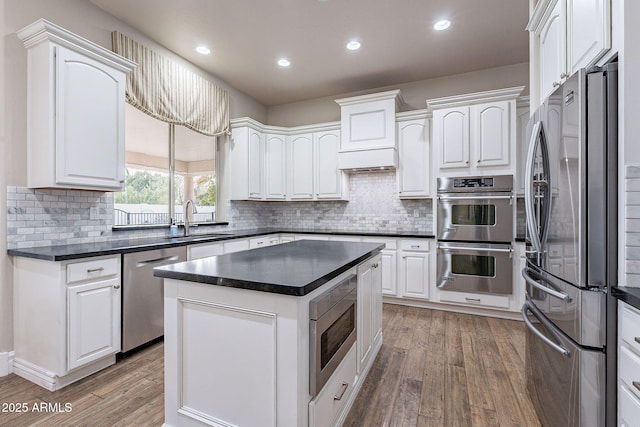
x,y
6,363
480,311
52,381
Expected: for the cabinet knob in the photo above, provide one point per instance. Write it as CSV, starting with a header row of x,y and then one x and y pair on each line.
x,y
556,84
116,286
636,384
564,75
479,160
466,162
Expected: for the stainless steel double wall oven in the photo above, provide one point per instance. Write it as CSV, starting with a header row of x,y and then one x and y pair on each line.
x,y
475,233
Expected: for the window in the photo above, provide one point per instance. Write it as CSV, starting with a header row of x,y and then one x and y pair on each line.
x,y
158,171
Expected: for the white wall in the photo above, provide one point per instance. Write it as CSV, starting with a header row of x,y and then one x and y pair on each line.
x,y
90,22
414,94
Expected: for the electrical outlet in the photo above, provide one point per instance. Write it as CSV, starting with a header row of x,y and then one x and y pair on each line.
x,y
416,213
297,212
93,212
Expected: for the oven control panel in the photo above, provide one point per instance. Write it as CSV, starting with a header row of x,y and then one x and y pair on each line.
x,y
473,184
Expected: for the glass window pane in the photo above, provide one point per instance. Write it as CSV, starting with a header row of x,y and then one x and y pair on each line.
x,y
195,174
145,199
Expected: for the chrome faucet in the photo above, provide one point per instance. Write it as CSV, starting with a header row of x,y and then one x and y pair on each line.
x,y
186,215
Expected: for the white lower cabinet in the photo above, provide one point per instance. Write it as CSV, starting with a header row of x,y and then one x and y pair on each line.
x,y
628,365
262,241
67,318
204,250
369,310
414,269
388,263
235,245
325,408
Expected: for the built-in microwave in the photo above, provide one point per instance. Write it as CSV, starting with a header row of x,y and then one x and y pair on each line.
x,y
332,330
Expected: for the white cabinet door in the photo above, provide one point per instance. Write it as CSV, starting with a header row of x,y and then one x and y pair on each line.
x,y
235,245
275,156
204,250
329,179
414,274
369,308
89,122
552,51
301,166
588,31
389,269
255,164
522,144
490,133
451,134
94,321
413,170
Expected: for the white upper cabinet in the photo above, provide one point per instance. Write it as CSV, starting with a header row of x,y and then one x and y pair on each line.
x,y
275,160
276,163
368,125
330,182
474,133
414,155
522,140
568,35
302,166
76,105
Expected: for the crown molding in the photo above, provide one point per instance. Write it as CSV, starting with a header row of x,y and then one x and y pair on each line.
x,y
475,98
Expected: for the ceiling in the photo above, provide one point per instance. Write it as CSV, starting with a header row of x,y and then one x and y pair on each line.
x,y
399,45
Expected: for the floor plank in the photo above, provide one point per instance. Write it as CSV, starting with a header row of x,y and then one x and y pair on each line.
x,y
435,368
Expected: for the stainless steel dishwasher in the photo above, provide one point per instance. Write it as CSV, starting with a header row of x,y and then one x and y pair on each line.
x,y
143,295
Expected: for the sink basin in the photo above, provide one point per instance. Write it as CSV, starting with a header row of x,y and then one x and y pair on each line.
x,y
196,237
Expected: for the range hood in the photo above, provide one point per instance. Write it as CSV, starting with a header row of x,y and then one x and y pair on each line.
x,y
368,135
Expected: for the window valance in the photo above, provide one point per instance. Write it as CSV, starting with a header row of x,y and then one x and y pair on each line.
x,y
169,92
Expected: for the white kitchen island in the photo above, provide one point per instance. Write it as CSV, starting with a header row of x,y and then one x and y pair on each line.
x,y
237,334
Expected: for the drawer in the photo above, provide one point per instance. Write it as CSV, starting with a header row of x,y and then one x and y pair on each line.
x,y
205,250
258,242
629,407
415,245
235,245
389,243
630,369
484,300
331,401
630,327
93,269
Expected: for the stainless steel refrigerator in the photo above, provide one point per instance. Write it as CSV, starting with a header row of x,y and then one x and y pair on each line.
x,y
571,210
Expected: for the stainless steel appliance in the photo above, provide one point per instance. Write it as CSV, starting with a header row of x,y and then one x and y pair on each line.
x,y
475,267
478,209
332,330
570,199
143,295
475,233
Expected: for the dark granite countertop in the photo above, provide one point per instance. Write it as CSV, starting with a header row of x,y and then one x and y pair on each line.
x,y
76,251
627,294
294,268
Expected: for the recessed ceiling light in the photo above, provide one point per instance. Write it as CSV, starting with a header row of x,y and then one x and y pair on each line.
x,y
283,62
442,25
203,50
353,45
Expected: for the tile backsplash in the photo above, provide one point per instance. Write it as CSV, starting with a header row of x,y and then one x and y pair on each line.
x,y
632,227
373,206
48,217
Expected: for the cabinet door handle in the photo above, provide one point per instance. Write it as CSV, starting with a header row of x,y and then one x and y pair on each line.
x,y
636,384
415,246
342,391
472,299
116,286
95,270
637,339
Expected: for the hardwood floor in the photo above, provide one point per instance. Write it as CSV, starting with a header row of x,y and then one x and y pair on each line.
x,y
435,369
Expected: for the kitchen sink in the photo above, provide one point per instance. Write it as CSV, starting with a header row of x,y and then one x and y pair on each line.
x,y
197,237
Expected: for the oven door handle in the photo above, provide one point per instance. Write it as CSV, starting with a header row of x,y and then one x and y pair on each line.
x,y
560,295
463,248
557,347
476,197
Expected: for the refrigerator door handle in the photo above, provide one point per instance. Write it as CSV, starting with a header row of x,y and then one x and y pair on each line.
x,y
528,189
559,348
558,294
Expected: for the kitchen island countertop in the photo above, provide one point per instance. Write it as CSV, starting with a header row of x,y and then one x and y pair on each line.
x,y
295,268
